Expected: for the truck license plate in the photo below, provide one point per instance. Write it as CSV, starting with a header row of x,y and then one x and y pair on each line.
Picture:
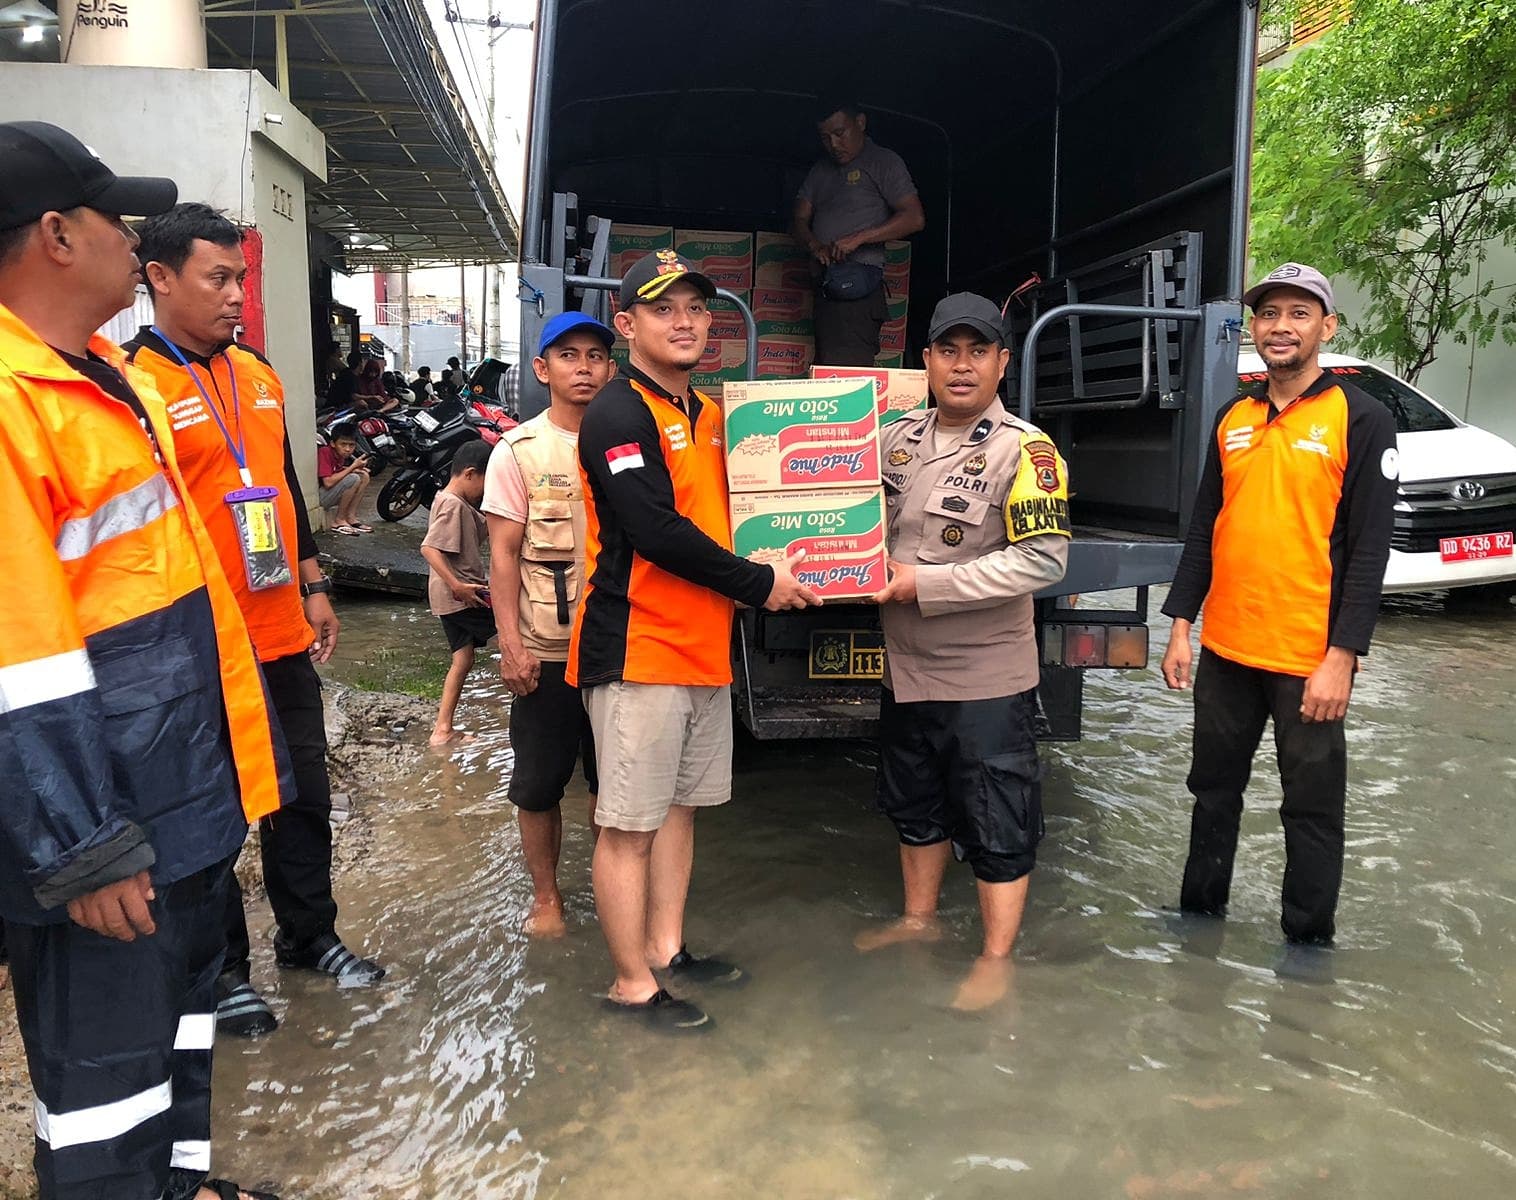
x,y
847,654
1476,547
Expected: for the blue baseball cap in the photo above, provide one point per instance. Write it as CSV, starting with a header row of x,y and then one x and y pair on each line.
x,y
567,322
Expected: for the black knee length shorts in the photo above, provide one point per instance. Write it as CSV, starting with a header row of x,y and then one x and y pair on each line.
x,y
964,771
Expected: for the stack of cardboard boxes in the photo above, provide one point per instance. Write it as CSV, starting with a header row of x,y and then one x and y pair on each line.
x,y
772,273
803,468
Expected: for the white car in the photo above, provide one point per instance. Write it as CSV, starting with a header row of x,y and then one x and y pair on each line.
x,y
1456,512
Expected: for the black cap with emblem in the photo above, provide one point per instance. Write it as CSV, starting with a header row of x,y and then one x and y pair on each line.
x,y
967,309
653,274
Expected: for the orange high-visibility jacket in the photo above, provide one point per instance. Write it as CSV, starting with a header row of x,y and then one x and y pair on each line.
x,y
132,712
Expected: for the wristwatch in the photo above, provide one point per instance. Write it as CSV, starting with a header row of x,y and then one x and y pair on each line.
x,y
315,588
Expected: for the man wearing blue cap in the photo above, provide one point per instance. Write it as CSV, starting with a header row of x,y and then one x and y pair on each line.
x,y
534,503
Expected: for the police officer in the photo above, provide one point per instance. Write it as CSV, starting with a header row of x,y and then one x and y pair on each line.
x,y
978,521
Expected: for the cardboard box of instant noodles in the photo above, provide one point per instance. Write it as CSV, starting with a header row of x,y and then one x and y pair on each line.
x,y
841,530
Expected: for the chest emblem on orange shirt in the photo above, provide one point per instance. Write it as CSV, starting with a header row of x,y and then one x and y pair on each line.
x,y
1318,432
898,458
953,535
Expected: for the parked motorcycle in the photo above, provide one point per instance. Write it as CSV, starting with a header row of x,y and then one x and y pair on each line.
x,y
444,428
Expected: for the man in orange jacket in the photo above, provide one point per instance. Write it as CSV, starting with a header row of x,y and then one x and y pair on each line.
x,y
132,715
227,408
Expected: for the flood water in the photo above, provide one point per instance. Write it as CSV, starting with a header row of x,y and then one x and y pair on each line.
x,y
1135,1058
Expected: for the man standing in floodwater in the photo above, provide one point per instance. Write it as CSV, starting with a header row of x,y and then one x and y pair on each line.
x,y
651,646
1286,550
978,521
534,503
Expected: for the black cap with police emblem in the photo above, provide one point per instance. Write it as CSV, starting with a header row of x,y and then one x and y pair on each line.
x,y
966,308
653,274
48,169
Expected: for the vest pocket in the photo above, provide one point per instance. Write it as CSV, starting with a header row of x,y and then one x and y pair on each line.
x,y
551,527
552,595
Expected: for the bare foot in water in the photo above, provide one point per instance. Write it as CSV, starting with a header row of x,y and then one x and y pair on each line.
x,y
904,929
452,737
987,983
545,920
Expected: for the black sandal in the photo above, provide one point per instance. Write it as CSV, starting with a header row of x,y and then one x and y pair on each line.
x,y
227,1190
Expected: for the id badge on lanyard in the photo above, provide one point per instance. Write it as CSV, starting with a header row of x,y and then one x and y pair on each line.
x,y
258,534
253,508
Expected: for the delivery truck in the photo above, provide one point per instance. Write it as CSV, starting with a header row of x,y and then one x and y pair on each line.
x,y
1086,164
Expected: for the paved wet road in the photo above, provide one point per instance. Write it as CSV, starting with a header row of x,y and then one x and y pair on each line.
x,y
1135,1058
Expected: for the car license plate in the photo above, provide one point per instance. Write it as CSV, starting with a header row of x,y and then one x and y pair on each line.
x,y
847,654
1475,547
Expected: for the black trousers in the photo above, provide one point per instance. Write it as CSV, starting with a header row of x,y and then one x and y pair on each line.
x,y
296,841
118,1042
847,331
550,732
1232,704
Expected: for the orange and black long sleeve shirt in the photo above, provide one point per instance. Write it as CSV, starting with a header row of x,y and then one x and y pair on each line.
x,y
1290,533
658,542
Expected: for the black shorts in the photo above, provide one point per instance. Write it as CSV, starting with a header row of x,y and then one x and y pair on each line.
x,y
468,627
964,771
550,729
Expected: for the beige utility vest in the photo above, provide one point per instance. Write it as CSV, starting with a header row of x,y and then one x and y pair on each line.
x,y
552,547
950,507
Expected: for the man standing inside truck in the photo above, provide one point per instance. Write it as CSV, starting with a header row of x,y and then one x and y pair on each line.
x,y
1286,550
978,521
853,201
651,647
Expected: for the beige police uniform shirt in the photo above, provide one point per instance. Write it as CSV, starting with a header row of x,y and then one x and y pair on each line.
x,y
984,518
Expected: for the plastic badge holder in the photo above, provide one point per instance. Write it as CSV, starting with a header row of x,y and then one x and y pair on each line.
x,y
258,534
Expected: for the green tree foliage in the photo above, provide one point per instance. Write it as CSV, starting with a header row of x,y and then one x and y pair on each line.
x,y
1386,153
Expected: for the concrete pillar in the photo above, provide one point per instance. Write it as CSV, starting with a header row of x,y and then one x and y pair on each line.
x,y
132,33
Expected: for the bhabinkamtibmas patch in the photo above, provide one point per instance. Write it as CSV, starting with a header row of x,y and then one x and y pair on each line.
x,y
1039,499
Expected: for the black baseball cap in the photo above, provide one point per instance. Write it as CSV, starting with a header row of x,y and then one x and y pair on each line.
x,y
966,308
48,169
653,274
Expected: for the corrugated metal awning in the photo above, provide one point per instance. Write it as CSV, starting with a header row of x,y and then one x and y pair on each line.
x,y
410,179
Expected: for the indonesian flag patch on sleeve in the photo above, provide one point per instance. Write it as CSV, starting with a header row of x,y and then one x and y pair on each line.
x,y
624,458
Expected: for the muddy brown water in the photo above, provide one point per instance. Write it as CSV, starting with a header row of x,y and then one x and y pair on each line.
x,y
1135,1057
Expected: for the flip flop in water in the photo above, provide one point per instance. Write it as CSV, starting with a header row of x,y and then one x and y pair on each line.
x,y
664,1013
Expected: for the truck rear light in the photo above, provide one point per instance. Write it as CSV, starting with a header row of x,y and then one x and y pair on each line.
x,y
1126,646
1095,645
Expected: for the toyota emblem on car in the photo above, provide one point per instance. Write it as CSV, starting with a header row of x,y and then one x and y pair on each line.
x,y
1468,489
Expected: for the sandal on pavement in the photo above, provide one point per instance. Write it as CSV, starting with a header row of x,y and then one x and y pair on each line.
x,y
227,1190
361,527
686,966
665,1013
345,530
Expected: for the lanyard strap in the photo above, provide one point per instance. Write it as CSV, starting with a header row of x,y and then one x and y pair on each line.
x,y
237,449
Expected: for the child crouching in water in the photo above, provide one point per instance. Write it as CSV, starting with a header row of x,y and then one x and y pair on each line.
x,y
458,583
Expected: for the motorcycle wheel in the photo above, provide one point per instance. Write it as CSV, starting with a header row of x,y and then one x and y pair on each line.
x,y
400,497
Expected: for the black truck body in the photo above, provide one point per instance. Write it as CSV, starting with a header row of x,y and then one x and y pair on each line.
x,y
1102,146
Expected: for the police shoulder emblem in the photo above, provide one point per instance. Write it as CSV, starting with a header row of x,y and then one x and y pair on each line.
x,y
976,465
898,458
1044,460
953,535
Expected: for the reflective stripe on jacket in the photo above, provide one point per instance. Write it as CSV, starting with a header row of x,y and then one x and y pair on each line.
x,y
115,705
552,545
